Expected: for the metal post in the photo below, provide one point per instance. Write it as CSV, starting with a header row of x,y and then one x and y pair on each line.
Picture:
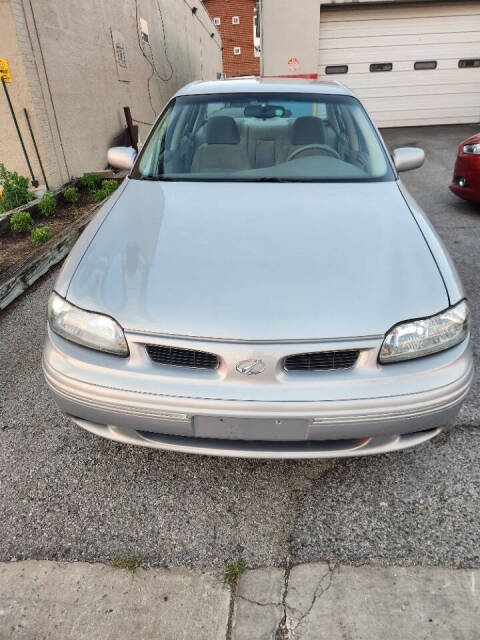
x,y
128,118
36,148
34,181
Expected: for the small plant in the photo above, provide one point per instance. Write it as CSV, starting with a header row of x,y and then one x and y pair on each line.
x,y
41,235
109,186
14,190
70,194
100,195
47,204
123,562
234,569
21,221
91,181
76,213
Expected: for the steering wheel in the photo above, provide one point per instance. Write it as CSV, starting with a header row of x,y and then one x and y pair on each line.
x,y
321,147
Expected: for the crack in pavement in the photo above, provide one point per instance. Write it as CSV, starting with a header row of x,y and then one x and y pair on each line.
x,y
289,623
260,604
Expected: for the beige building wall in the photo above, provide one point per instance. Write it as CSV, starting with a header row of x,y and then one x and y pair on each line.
x,y
10,148
84,61
291,31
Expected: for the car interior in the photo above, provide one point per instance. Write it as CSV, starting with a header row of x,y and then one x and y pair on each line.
x,y
257,139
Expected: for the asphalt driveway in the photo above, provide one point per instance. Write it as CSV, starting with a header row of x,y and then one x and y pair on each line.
x,y
65,494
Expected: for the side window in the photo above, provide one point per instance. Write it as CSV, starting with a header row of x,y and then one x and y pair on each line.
x,y
424,65
468,63
381,66
336,68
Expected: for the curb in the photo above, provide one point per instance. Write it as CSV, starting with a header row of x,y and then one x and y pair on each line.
x,y
20,277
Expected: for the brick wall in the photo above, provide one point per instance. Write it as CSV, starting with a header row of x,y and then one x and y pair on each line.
x,y
236,35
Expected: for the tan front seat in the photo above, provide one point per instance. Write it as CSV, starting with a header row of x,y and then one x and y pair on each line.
x,y
222,150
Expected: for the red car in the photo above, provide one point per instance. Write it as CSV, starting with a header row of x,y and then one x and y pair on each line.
x,y
466,176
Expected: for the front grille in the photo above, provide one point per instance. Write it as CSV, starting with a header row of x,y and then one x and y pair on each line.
x,y
321,360
181,357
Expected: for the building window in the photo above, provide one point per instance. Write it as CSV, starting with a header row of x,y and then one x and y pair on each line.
x,y
336,68
237,51
235,20
423,65
216,21
256,38
381,66
469,63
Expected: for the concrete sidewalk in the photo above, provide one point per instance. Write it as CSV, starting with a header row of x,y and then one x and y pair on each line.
x,y
42,600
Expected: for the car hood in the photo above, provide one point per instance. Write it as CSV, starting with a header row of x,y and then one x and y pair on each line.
x,y
259,261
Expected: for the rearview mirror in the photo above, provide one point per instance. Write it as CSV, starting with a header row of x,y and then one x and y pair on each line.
x,y
408,158
264,111
121,157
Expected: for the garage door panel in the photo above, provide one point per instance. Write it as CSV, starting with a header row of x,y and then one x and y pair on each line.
x,y
412,91
399,27
402,40
412,10
413,117
362,78
441,101
393,54
402,35
446,71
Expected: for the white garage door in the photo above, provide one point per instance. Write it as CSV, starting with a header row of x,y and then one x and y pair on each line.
x,y
411,64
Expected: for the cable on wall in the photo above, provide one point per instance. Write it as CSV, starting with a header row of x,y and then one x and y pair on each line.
x,y
151,61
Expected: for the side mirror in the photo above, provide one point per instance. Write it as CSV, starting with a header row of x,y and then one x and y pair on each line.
x,y
121,157
408,158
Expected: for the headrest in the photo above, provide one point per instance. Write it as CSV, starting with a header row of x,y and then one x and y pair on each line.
x,y
222,130
308,130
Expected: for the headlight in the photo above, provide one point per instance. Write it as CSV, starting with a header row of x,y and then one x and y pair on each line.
x,y
423,337
472,148
89,329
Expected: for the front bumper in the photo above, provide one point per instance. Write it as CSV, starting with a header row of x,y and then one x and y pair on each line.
x,y
97,391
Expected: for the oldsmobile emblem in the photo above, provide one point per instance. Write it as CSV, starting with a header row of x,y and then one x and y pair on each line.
x,y
251,367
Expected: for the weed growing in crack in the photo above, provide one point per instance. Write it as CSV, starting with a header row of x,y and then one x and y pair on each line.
x,y
233,569
123,562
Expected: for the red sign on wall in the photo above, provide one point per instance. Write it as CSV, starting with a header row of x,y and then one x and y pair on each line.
x,y
293,64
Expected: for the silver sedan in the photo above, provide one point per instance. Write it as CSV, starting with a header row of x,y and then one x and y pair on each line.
x,y
261,285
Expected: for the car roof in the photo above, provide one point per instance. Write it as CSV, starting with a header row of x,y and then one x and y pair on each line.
x,y
262,85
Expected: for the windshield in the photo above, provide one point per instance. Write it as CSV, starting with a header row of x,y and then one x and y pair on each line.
x,y
264,137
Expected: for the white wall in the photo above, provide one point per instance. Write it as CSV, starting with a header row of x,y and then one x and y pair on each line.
x,y
73,76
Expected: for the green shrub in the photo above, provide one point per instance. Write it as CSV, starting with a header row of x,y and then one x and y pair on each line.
x,y
40,235
109,186
21,221
47,204
91,181
14,190
70,194
100,195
